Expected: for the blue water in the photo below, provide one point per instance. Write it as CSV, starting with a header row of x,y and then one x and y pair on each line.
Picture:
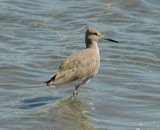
x,y
36,36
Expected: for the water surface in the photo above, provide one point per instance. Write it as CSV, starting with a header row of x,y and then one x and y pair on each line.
x,y
36,36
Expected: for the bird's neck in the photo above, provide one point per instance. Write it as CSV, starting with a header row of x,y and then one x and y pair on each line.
x,y
91,44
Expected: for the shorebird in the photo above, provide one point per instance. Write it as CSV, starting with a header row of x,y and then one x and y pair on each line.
x,y
83,65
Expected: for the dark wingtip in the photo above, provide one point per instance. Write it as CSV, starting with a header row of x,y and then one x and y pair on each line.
x,y
47,82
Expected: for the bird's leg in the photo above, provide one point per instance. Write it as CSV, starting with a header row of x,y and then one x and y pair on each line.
x,y
76,89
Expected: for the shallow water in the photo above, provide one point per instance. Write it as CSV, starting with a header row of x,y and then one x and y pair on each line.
x,y
36,36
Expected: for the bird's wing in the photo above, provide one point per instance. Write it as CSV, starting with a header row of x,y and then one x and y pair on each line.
x,y
79,65
73,61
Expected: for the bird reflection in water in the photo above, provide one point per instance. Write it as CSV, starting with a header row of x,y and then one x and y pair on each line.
x,y
66,114
73,115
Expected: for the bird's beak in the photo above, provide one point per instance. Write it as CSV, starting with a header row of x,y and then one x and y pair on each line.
x,y
105,38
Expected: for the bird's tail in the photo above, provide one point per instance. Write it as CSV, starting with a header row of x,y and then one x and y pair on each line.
x,y
50,82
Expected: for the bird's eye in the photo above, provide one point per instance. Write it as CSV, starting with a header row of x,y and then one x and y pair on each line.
x,y
95,34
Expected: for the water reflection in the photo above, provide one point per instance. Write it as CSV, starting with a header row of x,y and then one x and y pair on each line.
x,y
68,114
37,102
73,110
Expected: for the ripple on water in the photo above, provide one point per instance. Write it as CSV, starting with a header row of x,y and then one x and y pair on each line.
x,y
36,36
